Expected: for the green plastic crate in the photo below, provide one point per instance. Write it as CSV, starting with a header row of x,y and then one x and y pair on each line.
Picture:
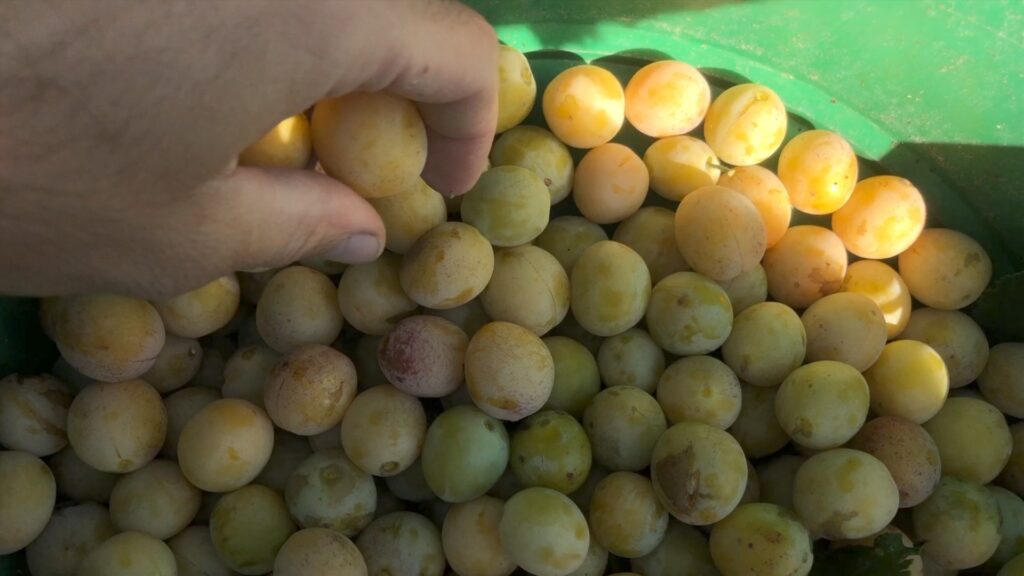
x,y
932,91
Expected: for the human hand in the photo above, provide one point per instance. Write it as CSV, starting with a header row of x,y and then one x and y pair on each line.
x,y
121,124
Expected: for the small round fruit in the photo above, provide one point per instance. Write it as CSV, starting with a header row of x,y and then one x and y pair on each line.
x,y
310,389
766,344
248,527
626,517
768,194
509,205
819,169
544,532
700,389
689,314
117,427
155,499
571,328
959,524
776,476
448,266
319,552
908,380
370,295
843,494
1011,529
908,451
577,379
883,285
958,340
1000,381
72,378
202,311
225,445
464,454
746,124
509,371
383,430
195,554
585,493
756,428
699,472
651,232
286,145
882,218
469,316
678,165
34,414
667,97
328,491
528,287
129,554
246,373
752,492
807,263
845,327
566,237
540,151
761,539
945,269
973,438
623,424
73,531
211,368
373,141
408,215
107,337
410,485
611,288
402,543
631,358
516,88
472,544
550,449
610,184
78,481
584,106
822,404
747,289
26,501
176,365
298,306
595,563
684,550
316,552
424,356
720,233
289,451
1013,567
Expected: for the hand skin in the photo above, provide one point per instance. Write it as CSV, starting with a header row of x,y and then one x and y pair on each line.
x,y
121,122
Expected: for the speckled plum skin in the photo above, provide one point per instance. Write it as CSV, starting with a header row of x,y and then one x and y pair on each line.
x,y
423,356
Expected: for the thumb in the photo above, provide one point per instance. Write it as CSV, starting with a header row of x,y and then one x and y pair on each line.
x,y
267,218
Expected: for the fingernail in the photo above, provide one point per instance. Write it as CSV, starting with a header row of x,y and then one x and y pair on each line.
x,y
356,249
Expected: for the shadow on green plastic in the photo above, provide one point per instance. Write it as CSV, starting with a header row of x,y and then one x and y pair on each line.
x,y
513,12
